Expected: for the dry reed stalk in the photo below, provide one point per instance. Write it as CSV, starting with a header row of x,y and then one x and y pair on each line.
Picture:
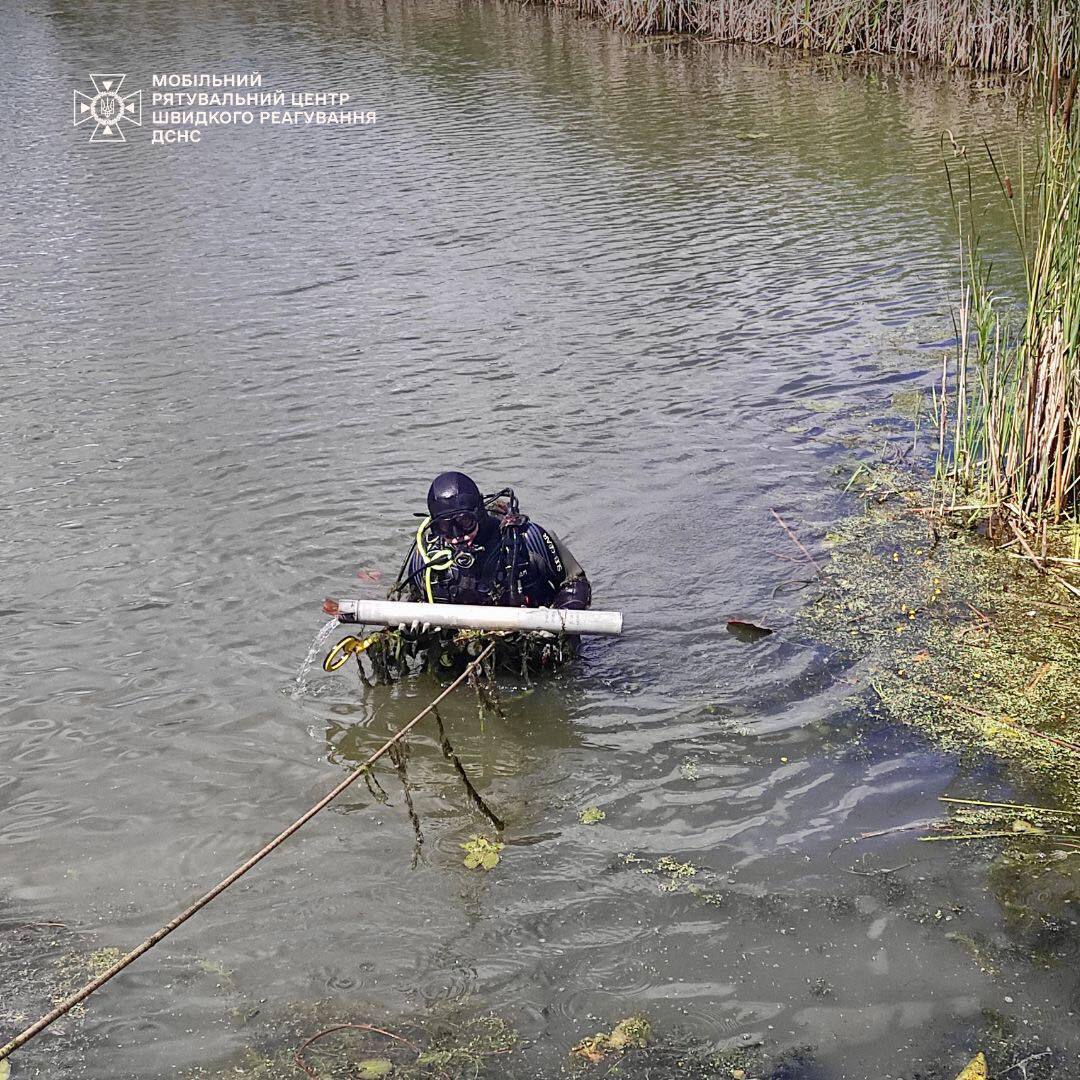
x,y
986,35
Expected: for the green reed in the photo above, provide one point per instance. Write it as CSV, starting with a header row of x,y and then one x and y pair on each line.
x,y
1013,421
987,35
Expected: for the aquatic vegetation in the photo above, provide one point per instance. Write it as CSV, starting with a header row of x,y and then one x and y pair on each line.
x,y
628,1034
689,770
388,654
591,815
975,1069
671,873
1009,442
322,1040
955,636
675,871
73,969
373,1068
995,35
100,960
481,853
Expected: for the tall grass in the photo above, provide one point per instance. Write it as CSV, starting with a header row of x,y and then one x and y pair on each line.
x,y
1013,423
986,35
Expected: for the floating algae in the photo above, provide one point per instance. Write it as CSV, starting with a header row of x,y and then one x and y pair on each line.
x,y
964,641
630,1034
591,815
74,968
333,1042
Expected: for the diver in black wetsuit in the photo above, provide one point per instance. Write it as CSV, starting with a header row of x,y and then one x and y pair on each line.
x,y
476,550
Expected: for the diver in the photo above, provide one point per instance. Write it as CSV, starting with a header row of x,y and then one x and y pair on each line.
x,y
476,549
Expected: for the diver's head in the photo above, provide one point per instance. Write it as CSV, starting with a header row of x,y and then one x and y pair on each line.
x,y
456,508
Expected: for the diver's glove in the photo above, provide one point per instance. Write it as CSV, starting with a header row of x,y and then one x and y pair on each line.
x,y
417,627
575,595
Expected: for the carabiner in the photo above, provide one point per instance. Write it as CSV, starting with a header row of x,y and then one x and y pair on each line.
x,y
339,655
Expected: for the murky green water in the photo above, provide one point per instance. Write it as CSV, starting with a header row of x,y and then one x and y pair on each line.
x,y
660,289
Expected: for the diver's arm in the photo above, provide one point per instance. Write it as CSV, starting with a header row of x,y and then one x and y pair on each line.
x,y
574,591
411,579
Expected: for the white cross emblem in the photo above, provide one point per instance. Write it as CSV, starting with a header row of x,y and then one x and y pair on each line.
x,y
108,108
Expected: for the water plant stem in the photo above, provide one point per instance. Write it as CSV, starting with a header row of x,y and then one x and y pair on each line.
x,y
82,994
1007,806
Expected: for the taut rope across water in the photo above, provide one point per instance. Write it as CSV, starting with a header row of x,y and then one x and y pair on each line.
x,y
80,995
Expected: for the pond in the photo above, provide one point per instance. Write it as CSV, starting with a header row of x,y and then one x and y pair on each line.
x,y
661,288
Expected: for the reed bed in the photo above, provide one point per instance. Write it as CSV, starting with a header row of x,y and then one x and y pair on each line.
x,y
985,35
1010,435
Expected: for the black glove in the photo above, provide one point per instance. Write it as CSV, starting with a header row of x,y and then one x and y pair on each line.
x,y
575,595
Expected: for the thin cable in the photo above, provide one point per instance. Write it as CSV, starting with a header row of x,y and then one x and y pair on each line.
x,y
81,995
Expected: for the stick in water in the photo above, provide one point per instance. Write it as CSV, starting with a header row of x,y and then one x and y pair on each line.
x,y
798,543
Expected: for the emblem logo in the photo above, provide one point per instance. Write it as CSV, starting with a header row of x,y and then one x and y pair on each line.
x,y
108,109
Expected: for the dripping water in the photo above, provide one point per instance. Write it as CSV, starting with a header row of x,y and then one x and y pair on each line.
x,y
300,685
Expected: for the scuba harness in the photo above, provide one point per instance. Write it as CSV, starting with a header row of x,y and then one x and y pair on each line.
x,y
489,572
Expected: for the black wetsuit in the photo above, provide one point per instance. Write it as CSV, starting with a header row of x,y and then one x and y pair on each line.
x,y
512,562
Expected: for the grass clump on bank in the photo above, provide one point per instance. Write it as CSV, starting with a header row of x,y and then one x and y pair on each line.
x,y
956,637
985,35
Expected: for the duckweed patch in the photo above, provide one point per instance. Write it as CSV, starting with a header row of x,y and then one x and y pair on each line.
x,y
962,640
73,969
670,873
591,815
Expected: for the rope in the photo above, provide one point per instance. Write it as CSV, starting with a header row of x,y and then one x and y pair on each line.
x,y
81,995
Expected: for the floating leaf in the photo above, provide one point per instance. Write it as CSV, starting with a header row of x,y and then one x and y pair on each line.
x,y
975,1069
591,815
1020,825
747,631
373,1068
5,1069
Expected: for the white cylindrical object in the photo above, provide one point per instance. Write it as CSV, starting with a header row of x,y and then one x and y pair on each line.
x,y
480,617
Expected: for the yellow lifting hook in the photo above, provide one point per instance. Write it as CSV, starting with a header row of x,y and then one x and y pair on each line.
x,y
339,655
